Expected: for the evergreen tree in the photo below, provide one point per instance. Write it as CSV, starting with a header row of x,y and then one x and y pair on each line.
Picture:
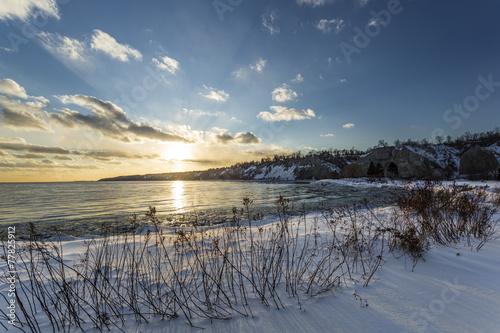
x,y
379,171
392,170
371,170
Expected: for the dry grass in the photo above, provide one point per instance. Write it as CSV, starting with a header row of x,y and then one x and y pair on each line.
x,y
213,272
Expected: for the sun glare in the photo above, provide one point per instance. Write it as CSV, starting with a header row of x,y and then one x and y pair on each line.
x,y
177,151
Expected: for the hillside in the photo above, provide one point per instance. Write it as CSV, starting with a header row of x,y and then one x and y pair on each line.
x,y
471,156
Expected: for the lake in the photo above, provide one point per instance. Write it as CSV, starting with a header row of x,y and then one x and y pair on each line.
x,y
75,206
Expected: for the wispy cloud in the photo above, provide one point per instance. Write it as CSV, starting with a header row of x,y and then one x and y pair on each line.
x,y
29,156
269,22
314,3
298,79
201,113
283,94
242,72
166,64
33,151
64,47
333,25
259,65
329,135
103,42
110,120
24,9
214,94
282,113
349,125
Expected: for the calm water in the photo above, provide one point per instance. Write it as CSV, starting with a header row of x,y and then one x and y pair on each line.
x,y
78,205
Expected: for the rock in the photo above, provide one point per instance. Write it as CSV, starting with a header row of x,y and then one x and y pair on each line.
x,y
478,163
409,164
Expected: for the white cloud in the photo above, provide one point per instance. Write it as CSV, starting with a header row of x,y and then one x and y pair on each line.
x,y
166,64
110,120
22,115
269,22
103,42
286,114
242,73
298,79
214,94
201,113
329,135
349,125
314,3
63,47
259,65
343,80
23,9
12,88
283,94
373,22
335,25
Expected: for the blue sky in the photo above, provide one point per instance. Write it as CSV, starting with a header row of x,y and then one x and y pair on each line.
x,y
103,88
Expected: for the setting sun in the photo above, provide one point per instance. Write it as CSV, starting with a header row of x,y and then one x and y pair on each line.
x,y
177,151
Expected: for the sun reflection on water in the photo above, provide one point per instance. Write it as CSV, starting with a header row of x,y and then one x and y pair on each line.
x,y
178,196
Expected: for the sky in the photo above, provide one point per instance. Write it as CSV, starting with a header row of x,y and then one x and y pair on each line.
x,y
92,89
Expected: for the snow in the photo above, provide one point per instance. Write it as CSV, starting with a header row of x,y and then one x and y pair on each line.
x,y
442,155
455,289
276,172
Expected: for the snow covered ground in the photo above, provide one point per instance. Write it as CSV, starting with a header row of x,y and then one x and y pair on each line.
x,y
453,289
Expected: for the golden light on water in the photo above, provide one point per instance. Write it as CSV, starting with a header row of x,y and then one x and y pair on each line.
x,y
178,196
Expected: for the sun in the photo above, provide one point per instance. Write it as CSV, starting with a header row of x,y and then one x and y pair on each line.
x,y
177,151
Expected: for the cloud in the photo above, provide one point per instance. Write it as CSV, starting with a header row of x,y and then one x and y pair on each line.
x,y
214,94
22,115
110,120
247,138
201,113
24,9
34,151
269,22
283,94
282,113
374,22
12,88
244,138
349,125
259,65
298,79
329,135
46,164
335,25
63,158
103,42
242,73
314,3
31,148
64,47
29,156
166,64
